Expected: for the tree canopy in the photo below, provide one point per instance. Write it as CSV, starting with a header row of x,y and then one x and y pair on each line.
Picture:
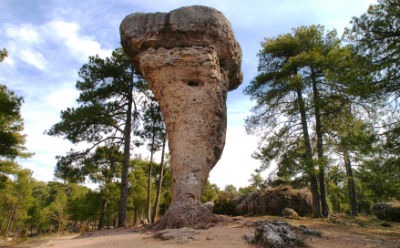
x,y
376,35
12,139
105,116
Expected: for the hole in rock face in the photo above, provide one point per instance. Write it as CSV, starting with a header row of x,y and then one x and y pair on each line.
x,y
193,83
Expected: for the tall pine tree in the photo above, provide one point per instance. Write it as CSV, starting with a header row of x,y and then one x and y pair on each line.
x,y
106,113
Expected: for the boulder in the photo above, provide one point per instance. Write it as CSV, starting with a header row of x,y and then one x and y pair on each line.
x,y
274,200
248,204
279,234
386,211
290,213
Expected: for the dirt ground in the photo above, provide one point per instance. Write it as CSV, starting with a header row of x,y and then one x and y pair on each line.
x,y
336,232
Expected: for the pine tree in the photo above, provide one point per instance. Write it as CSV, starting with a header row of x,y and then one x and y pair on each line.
x,y
154,131
291,92
106,112
12,139
376,34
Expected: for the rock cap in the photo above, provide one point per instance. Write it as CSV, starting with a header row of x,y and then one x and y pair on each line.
x,y
184,27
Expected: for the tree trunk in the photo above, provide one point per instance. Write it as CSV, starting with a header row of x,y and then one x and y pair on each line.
x,y
322,189
108,219
59,226
148,210
135,216
350,180
308,156
10,220
320,148
160,181
102,214
122,221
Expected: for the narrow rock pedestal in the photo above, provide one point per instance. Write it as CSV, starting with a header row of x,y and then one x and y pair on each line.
x,y
190,60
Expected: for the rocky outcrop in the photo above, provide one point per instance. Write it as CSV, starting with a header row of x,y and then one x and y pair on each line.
x,y
190,59
249,204
279,234
386,211
274,200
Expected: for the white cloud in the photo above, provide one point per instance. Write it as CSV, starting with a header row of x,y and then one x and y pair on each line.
x,y
25,33
23,45
57,49
44,45
80,46
33,58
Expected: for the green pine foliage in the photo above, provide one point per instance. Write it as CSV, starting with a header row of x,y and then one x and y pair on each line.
x,y
104,119
375,34
353,88
3,54
12,139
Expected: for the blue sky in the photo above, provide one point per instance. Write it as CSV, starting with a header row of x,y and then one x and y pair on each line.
x,y
49,40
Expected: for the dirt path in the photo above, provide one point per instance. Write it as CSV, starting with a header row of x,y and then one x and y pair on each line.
x,y
346,234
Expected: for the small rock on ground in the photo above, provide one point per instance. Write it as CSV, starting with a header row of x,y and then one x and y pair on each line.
x,y
181,235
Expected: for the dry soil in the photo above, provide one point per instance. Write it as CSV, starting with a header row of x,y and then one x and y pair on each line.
x,y
336,232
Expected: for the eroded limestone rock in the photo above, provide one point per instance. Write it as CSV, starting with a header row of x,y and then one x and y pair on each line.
x,y
273,200
190,60
280,234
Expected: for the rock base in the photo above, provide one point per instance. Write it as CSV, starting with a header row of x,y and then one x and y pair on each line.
x,y
186,214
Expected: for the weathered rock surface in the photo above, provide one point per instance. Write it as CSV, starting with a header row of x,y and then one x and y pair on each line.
x,y
190,60
274,200
279,234
386,211
182,235
290,213
184,27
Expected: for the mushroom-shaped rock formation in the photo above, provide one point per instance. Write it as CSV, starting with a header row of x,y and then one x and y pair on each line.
x,y
190,59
